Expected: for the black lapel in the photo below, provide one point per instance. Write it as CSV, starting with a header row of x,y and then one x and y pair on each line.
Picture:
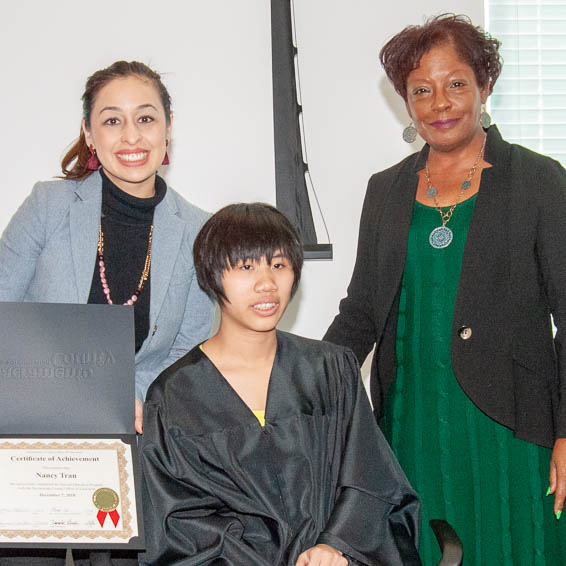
x,y
392,234
483,287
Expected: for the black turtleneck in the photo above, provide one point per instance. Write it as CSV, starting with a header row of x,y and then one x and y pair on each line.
x,y
126,221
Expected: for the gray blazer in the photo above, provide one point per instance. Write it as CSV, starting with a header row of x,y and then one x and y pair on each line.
x,y
48,252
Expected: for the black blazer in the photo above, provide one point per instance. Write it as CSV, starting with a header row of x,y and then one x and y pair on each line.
x,y
513,277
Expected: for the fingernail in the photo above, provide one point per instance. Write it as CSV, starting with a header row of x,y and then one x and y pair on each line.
x,y
548,491
558,515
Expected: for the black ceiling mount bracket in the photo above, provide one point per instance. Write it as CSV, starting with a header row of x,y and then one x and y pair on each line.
x,y
291,169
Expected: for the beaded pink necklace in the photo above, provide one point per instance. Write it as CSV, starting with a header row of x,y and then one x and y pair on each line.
x,y
102,268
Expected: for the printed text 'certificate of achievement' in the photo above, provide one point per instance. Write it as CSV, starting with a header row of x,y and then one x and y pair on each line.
x,y
67,491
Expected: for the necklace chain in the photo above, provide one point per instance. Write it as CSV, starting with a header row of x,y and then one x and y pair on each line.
x,y
445,216
102,268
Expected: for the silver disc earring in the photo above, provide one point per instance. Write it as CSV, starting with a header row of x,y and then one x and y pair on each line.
x,y
485,118
410,133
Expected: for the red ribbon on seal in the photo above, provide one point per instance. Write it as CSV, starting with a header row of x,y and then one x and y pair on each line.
x,y
114,515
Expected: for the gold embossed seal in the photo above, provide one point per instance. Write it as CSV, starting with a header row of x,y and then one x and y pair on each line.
x,y
106,501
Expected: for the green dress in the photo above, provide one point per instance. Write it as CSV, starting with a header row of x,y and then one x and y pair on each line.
x,y
467,469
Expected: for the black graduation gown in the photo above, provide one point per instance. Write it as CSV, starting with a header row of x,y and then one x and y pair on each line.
x,y
220,489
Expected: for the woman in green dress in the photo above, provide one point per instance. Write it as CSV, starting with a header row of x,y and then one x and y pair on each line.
x,y
461,262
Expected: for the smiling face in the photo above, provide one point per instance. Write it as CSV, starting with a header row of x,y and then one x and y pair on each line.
x,y
258,293
444,100
129,130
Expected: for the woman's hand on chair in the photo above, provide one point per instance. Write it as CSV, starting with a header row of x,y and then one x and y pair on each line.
x,y
321,555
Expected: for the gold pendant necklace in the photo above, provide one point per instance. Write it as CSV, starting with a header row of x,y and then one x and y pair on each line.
x,y
442,236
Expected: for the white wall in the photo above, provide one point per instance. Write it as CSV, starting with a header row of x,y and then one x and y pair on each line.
x,y
215,58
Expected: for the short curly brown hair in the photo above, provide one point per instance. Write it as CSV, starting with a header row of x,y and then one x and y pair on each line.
x,y
401,54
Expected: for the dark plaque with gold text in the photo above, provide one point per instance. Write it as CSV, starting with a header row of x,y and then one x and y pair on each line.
x,y
68,453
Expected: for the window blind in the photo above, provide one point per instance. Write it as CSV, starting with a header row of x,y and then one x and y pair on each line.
x,y
528,103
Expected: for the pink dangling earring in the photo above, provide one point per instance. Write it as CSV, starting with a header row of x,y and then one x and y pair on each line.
x,y
166,158
93,162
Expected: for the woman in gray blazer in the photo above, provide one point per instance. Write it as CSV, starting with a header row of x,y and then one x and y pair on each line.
x,y
112,231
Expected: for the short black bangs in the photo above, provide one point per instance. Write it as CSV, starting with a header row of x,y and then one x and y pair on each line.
x,y
239,233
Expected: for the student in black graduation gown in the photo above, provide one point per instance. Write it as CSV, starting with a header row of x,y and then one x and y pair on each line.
x,y
260,447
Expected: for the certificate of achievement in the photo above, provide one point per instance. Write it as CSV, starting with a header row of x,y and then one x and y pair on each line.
x,y
67,491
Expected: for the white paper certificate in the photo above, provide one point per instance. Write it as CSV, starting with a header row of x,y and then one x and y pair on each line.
x,y
66,490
